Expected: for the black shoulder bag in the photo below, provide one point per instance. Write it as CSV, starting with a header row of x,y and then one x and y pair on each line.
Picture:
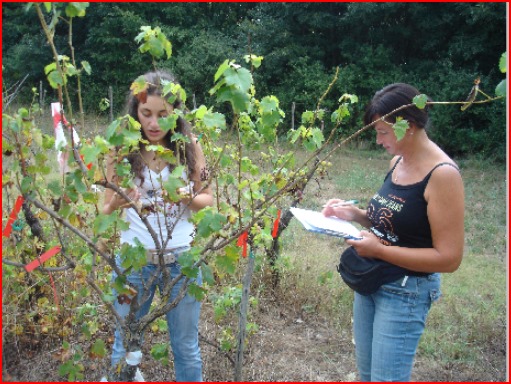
x,y
365,275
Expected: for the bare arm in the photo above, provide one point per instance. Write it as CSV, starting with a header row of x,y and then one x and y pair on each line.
x,y
112,200
204,195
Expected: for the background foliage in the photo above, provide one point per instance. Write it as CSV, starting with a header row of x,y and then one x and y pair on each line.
x,y
439,47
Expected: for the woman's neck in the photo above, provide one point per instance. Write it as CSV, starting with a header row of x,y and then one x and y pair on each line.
x,y
152,160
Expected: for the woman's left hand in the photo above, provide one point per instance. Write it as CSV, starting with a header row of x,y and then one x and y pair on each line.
x,y
368,246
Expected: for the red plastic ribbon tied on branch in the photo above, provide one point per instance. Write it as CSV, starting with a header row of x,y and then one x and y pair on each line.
x,y
275,231
14,215
59,122
243,242
41,259
39,262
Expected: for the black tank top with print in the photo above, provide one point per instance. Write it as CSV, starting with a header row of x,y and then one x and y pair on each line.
x,y
398,213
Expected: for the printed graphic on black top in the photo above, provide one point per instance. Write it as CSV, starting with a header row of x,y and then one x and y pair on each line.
x,y
382,218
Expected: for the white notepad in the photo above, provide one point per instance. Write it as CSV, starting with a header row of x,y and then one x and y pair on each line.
x,y
315,222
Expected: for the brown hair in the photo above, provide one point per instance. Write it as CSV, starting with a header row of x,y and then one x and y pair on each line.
x,y
185,153
392,97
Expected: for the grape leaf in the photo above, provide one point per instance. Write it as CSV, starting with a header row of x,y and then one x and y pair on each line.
x,y
400,127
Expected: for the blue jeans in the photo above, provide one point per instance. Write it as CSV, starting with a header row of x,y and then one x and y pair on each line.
x,y
182,321
388,324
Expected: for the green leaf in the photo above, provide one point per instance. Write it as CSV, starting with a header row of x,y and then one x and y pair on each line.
x,y
90,153
208,222
317,137
400,127
196,291
168,123
86,67
155,42
112,129
98,349
50,68
239,100
55,79
352,99
26,184
48,142
186,259
217,87
214,120
103,222
76,9
77,180
420,101
269,104
240,78
133,256
503,63
207,274
174,182
160,351
293,135
339,114
65,210
221,69
228,262
307,117
256,60
501,89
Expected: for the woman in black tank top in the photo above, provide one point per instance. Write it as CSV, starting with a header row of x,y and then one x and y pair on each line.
x,y
415,221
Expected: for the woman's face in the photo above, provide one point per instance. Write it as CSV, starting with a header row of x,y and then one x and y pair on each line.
x,y
386,137
149,112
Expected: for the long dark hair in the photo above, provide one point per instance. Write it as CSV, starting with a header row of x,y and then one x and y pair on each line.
x,y
185,153
392,97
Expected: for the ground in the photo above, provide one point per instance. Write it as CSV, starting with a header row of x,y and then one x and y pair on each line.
x,y
289,346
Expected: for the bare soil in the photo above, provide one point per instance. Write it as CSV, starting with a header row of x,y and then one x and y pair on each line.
x,y
289,346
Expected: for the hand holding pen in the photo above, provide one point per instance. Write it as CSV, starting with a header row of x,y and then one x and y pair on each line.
x,y
346,211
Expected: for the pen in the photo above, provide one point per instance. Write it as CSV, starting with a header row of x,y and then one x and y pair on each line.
x,y
344,203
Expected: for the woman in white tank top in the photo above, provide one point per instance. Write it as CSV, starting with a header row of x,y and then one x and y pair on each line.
x,y
169,228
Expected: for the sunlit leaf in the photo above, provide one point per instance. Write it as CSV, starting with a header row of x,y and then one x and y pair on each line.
x,y
220,71
86,66
307,117
503,63
420,101
400,127
240,78
76,9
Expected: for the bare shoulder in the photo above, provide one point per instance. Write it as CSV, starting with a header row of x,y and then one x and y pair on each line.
x,y
445,181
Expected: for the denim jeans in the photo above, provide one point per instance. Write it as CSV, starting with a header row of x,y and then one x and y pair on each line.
x,y
388,324
182,321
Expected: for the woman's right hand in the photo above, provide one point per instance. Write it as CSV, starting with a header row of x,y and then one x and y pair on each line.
x,y
117,201
346,212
